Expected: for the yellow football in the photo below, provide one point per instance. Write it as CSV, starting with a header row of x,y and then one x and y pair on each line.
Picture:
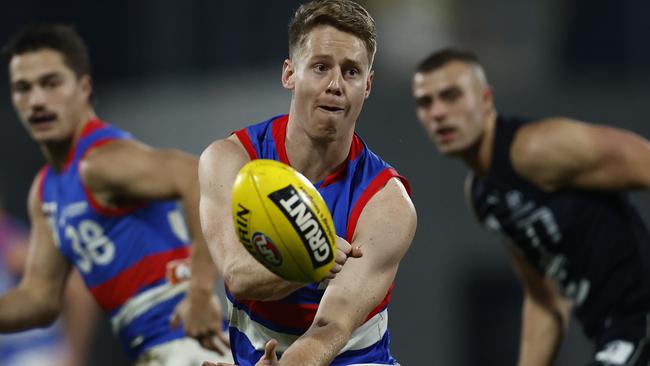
x,y
283,221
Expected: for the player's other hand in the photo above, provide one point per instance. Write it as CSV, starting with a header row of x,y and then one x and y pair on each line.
x,y
268,359
343,251
202,319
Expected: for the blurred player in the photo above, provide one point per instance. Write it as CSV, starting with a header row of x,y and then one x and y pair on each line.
x,y
555,188
104,203
62,344
343,322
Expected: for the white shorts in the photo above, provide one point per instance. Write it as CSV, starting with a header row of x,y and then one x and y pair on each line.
x,y
180,352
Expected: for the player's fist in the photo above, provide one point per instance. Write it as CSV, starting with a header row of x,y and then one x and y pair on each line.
x,y
343,251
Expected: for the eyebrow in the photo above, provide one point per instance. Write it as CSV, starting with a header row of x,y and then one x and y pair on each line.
x,y
424,100
50,75
45,77
453,88
351,62
329,58
320,57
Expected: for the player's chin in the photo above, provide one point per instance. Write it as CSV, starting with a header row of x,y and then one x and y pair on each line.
x,y
325,134
449,149
47,137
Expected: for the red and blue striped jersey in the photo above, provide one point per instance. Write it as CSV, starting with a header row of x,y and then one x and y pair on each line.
x,y
346,192
120,253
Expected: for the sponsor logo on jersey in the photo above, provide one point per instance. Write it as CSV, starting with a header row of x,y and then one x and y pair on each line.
x,y
304,221
75,209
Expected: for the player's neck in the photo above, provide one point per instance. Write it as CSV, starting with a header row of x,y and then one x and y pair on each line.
x,y
57,153
479,156
316,159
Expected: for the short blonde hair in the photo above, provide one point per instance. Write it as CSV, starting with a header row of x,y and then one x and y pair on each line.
x,y
344,15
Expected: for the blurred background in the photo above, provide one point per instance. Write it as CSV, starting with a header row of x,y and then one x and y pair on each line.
x,y
183,73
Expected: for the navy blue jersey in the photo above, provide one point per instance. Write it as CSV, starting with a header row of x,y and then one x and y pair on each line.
x,y
592,244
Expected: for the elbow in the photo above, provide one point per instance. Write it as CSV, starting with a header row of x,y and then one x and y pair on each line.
x,y
235,287
556,310
238,284
47,319
243,285
336,330
47,315
558,318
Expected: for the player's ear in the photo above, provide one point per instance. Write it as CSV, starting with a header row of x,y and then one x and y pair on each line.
x,y
86,85
288,73
371,76
488,97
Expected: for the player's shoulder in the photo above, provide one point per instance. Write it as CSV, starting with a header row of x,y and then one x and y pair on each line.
x,y
539,137
226,148
542,151
107,166
394,194
108,153
226,153
394,201
35,195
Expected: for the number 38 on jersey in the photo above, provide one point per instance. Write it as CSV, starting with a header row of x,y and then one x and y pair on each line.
x,y
90,245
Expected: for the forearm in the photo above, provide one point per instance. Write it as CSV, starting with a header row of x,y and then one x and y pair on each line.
x,y
20,310
248,280
541,334
318,346
204,273
204,269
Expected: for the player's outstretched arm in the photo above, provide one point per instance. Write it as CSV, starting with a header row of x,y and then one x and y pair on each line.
x,y
132,172
559,152
545,315
38,299
384,233
244,276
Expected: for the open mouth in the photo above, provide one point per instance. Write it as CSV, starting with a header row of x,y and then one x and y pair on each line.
x,y
330,108
445,134
38,119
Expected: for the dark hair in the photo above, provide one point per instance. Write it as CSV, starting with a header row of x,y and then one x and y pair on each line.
x,y
442,57
344,15
58,37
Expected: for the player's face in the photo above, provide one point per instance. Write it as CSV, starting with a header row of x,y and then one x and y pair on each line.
x,y
451,104
47,95
330,78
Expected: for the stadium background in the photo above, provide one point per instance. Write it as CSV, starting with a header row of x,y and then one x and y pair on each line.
x,y
183,73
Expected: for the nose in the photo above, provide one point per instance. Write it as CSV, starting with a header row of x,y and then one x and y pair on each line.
x,y
36,97
334,86
438,111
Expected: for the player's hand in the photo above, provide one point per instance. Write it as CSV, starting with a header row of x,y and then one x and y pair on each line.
x,y
268,359
343,251
202,318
